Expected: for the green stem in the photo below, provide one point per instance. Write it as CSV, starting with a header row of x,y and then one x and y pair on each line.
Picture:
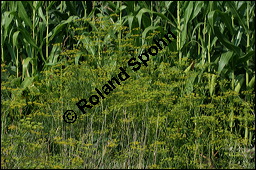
x,y
247,74
179,34
151,15
248,42
17,62
120,31
198,45
204,40
47,33
33,36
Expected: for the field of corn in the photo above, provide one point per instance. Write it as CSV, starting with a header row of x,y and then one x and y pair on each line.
x,y
191,107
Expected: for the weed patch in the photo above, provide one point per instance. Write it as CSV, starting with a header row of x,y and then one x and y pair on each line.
x,y
107,88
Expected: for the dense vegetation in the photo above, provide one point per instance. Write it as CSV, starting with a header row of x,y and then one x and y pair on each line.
x,y
191,107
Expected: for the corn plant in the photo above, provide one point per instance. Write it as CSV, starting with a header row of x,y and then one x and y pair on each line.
x,y
191,107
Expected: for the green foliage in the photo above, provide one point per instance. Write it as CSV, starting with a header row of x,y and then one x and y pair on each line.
x,y
191,107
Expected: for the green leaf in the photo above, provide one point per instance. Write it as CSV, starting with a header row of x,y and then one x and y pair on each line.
x,y
226,42
60,26
130,6
130,20
140,13
27,82
240,80
227,20
28,37
188,68
25,65
224,59
211,19
212,84
12,53
195,28
197,8
87,43
252,82
112,5
187,16
190,84
231,4
41,14
166,18
53,58
50,5
188,12
122,7
15,36
246,57
23,14
144,34
6,21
